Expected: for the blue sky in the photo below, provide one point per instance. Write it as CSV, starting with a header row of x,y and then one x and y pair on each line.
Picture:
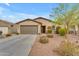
x,y
15,12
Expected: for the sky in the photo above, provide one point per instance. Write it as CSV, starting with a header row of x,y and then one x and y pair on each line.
x,y
15,12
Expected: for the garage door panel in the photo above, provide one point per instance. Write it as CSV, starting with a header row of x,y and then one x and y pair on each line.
x,y
29,29
4,30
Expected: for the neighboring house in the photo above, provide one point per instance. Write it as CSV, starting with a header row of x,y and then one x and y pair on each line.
x,y
5,27
36,26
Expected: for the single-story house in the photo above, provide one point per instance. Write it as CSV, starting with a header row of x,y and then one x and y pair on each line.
x,y
5,26
33,26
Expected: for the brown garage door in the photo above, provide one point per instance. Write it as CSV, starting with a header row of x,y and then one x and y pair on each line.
x,y
29,29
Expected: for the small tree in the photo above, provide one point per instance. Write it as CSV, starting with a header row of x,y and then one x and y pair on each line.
x,y
66,15
62,31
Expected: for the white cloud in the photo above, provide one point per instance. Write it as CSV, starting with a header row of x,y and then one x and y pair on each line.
x,y
7,4
11,16
27,15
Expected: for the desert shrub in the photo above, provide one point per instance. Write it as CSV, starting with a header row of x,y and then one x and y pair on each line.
x,y
67,48
50,35
57,30
49,31
49,27
17,33
62,31
43,39
0,32
7,35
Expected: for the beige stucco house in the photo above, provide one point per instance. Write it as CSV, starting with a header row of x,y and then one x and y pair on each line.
x,y
45,24
5,27
33,26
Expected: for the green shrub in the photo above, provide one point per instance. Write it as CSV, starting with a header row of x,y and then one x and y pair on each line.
x,y
67,48
49,31
62,31
50,35
17,33
7,35
43,39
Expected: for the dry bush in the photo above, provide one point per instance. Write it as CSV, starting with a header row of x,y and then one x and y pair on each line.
x,y
67,48
50,35
43,39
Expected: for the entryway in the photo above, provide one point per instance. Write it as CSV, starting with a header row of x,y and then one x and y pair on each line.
x,y
43,29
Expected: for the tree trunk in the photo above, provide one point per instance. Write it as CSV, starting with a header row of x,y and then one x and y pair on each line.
x,y
76,29
67,31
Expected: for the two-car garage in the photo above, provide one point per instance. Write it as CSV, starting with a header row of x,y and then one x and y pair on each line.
x,y
29,29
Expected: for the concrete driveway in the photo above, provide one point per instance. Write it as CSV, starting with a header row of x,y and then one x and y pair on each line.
x,y
17,45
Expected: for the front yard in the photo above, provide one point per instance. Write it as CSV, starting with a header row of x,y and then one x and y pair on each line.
x,y
47,49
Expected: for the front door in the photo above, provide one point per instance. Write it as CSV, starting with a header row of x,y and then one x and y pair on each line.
x,y
43,29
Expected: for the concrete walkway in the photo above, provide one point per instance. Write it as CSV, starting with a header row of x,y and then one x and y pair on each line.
x,y
17,45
